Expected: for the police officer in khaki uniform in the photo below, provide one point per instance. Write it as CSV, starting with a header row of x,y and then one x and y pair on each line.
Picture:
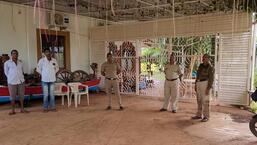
x,y
203,85
171,86
110,70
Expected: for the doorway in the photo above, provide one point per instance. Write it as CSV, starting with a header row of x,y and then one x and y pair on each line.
x,y
154,55
59,44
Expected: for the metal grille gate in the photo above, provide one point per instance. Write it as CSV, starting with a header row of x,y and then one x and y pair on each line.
x,y
135,80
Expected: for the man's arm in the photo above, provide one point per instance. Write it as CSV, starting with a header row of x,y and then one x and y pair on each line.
x,y
6,69
102,70
22,68
180,74
197,75
118,69
56,68
210,78
39,67
165,69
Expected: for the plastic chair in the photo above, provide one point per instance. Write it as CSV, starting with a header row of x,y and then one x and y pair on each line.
x,y
77,92
58,91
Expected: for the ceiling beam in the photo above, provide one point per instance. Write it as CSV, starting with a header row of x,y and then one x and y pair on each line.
x,y
145,7
143,2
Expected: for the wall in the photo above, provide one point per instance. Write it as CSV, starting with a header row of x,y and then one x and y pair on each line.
x,y
184,26
18,31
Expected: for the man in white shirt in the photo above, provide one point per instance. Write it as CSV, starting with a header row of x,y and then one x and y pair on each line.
x,y
48,67
171,87
13,70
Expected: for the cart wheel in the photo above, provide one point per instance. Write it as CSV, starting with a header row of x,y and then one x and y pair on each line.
x,y
80,76
63,76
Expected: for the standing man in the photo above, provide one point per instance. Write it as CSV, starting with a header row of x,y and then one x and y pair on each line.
x,y
204,81
110,70
48,67
171,86
13,70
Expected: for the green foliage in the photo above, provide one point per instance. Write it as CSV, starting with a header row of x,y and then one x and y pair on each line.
x,y
154,67
151,52
195,45
191,45
157,75
253,106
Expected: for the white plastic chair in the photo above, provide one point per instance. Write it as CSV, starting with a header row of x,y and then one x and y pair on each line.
x,y
59,92
77,93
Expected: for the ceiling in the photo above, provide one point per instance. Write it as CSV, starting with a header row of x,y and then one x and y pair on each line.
x,y
142,10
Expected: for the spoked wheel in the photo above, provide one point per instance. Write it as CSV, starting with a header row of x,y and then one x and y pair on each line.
x,y
253,126
63,76
80,76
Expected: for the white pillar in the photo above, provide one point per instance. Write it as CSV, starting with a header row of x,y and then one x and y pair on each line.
x,y
137,66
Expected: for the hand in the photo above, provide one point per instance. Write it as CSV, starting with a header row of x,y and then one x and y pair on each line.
x,y
207,92
195,89
180,79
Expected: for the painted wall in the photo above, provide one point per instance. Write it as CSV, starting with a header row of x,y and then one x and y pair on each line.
x,y
18,31
198,25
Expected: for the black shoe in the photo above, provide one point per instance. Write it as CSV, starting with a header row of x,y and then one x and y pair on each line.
x,y
161,110
24,111
174,111
121,108
205,119
108,108
196,117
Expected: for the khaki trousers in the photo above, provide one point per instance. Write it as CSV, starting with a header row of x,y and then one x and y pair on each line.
x,y
15,90
171,92
112,84
203,100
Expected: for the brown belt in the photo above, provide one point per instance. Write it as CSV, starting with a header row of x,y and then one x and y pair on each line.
x,y
171,79
201,80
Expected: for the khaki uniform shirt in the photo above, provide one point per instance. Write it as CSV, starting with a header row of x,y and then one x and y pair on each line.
x,y
172,71
110,69
205,73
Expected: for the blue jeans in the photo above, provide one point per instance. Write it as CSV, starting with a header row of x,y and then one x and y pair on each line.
x,y
48,92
